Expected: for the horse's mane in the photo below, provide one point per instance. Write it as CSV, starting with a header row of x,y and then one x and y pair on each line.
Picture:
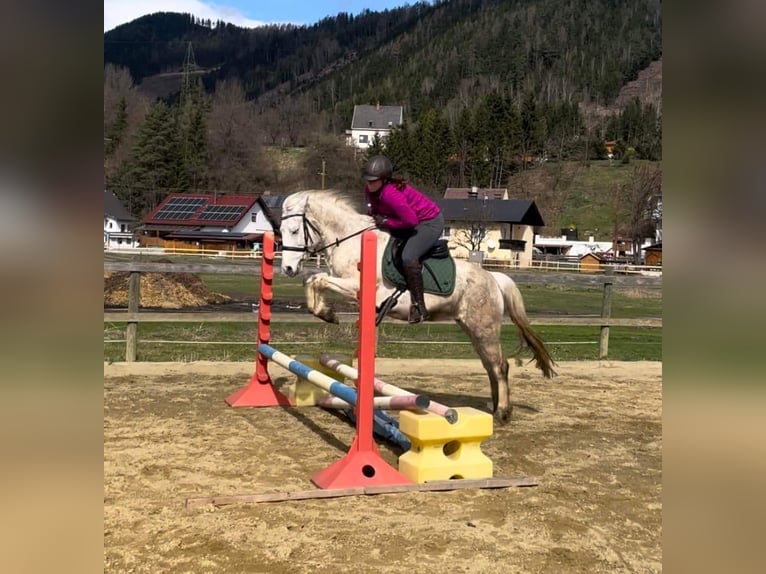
x,y
342,199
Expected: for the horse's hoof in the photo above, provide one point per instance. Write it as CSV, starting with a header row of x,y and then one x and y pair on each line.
x,y
328,317
503,417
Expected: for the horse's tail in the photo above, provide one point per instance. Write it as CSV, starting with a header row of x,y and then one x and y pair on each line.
x,y
514,304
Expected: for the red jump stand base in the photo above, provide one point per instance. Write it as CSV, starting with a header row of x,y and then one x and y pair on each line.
x,y
359,468
258,394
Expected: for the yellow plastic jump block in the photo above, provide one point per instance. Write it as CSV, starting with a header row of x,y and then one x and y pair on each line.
x,y
441,451
306,394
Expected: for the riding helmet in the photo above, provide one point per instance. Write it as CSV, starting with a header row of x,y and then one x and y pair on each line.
x,y
378,167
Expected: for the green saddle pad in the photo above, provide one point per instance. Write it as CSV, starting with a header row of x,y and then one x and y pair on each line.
x,y
438,274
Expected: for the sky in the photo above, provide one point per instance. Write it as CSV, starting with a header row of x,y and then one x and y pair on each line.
x,y
244,13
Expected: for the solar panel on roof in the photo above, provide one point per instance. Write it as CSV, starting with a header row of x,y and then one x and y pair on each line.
x,y
222,212
180,208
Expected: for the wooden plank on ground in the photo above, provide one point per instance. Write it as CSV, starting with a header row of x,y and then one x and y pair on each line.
x,y
431,486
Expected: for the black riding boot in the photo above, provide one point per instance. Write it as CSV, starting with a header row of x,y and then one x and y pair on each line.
x,y
413,274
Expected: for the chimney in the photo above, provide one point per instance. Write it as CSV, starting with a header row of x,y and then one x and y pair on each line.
x,y
377,106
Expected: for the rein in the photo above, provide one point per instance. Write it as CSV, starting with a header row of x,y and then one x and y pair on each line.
x,y
308,227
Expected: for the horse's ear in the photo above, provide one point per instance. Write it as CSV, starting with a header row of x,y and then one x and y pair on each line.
x,y
268,214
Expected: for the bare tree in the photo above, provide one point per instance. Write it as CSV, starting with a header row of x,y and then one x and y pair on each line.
x,y
476,226
124,111
233,146
641,198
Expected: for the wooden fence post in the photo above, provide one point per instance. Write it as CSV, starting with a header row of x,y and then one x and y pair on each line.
x,y
606,312
131,331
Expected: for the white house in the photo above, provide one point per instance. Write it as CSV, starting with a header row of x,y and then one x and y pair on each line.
x,y
370,120
117,224
572,248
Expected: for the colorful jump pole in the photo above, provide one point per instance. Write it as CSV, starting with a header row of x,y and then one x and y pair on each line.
x,y
347,395
386,389
415,402
260,391
363,465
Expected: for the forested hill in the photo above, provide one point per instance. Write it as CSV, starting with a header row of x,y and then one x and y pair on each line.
x,y
421,56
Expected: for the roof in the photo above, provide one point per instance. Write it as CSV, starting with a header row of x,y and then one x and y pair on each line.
x,y
520,211
376,117
463,192
113,207
200,209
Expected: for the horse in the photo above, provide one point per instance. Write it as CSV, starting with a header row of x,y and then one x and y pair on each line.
x,y
326,222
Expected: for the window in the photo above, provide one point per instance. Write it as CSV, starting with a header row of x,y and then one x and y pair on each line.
x,y
253,217
363,139
123,227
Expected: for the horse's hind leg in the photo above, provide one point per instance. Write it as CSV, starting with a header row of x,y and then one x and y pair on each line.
x,y
486,343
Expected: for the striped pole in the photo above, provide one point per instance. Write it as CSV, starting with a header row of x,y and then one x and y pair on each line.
x,y
401,403
305,372
386,389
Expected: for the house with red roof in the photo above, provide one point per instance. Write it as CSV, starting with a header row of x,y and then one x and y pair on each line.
x,y
208,221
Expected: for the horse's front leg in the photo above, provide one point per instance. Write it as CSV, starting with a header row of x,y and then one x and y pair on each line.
x,y
316,287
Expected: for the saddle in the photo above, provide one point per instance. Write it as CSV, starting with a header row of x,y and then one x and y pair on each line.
x,y
438,267
438,273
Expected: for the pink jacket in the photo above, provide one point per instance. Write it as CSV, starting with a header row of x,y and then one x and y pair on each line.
x,y
403,209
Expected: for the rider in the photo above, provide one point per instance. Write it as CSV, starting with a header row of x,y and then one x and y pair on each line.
x,y
409,215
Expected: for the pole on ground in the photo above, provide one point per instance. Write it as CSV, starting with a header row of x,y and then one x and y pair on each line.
x,y
363,464
260,391
389,390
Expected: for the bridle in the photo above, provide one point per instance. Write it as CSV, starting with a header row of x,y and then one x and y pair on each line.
x,y
308,228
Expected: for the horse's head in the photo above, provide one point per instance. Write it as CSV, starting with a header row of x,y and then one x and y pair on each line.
x,y
294,233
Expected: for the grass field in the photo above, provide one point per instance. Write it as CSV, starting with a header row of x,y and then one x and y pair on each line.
x,y
235,341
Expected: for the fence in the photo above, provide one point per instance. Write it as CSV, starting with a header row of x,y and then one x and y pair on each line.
x,y
558,264
133,317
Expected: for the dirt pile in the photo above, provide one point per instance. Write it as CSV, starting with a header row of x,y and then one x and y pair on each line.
x,y
161,290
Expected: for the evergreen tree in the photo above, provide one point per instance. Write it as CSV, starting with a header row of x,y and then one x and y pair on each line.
x,y
462,136
431,152
376,147
116,130
155,167
399,150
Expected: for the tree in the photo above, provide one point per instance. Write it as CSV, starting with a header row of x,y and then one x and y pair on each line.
x,y
432,150
641,198
398,149
342,170
154,168
124,112
376,147
234,152
476,225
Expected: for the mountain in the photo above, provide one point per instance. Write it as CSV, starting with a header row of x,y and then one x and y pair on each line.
x,y
522,94
441,54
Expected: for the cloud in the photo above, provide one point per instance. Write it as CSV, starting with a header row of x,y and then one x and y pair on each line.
x,y
117,12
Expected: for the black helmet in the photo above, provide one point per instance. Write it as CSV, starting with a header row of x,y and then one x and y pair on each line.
x,y
378,167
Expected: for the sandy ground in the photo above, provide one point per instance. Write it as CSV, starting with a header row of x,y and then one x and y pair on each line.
x,y
595,446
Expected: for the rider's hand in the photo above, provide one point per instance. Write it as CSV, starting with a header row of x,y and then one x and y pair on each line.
x,y
380,220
